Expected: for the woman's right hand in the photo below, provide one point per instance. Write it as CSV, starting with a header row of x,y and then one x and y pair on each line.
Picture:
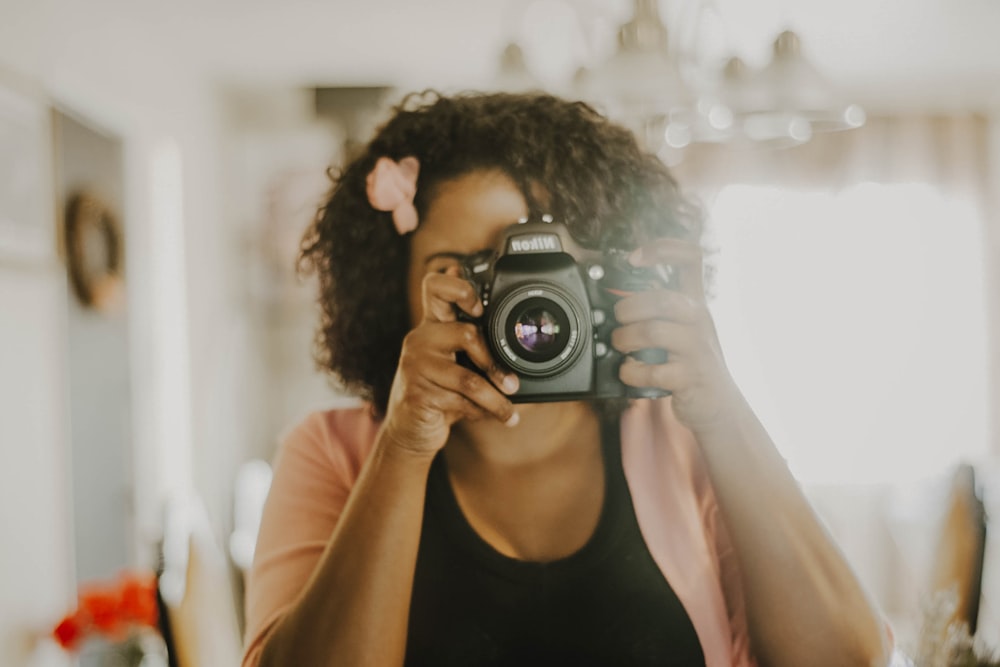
x,y
431,391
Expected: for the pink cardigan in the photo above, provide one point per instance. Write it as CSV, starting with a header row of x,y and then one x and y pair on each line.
x,y
675,504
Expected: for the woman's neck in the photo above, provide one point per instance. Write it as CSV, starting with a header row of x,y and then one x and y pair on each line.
x,y
547,432
533,492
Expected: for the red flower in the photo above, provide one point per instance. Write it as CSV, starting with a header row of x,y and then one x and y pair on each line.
x,y
110,610
138,600
69,632
100,605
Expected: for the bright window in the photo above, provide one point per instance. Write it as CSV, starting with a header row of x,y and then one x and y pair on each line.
x,y
855,324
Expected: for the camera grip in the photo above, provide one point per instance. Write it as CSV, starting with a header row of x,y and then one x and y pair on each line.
x,y
653,355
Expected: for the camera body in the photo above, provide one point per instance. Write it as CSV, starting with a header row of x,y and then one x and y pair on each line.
x,y
549,312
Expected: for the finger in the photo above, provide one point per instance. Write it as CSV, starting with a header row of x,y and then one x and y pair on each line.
x,y
457,407
464,336
670,376
659,334
443,291
658,304
685,257
474,345
473,387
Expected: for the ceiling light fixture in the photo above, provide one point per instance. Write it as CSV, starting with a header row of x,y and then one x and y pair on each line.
x,y
672,98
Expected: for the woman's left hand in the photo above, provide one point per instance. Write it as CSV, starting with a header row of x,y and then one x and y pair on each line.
x,y
676,320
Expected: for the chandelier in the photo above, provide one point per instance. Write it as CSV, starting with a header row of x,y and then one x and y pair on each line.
x,y
671,98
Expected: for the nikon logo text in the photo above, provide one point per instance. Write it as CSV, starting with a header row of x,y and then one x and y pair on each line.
x,y
536,243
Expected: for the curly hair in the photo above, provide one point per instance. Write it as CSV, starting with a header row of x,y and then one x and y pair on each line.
x,y
608,191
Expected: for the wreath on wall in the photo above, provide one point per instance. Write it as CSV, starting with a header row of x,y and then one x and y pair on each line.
x,y
94,252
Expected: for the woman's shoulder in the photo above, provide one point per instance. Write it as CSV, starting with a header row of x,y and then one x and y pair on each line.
x,y
340,437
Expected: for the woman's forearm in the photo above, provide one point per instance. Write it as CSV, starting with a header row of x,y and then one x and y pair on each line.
x,y
804,603
355,608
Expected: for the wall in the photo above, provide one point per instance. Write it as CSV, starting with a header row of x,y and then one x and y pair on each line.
x,y
178,302
276,153
992,250
116,66
36,567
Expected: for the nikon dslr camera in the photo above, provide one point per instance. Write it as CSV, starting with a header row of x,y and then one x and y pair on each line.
x,y
549,312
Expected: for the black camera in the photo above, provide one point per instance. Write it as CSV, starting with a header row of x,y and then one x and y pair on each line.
x,y
549,312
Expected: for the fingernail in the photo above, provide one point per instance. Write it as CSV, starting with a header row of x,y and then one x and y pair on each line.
x,y
477,309
513,421
510,384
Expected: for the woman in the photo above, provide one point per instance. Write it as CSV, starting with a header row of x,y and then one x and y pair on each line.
x,y
441,524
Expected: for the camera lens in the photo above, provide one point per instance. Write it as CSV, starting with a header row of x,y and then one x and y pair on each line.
x,y
535,329
540,329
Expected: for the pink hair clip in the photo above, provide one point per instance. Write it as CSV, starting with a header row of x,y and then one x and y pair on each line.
x,y
391,186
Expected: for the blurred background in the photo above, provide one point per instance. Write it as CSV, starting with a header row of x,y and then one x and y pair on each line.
x,y
159,163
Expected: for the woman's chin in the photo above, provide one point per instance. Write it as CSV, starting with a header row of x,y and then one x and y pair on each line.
x,y
528,413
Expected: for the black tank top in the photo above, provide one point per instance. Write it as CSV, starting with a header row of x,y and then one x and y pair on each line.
x,y
606,604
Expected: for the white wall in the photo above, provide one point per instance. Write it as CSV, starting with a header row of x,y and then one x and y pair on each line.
x,y
35,560
992,250
116,67
276,154
123,76
36,578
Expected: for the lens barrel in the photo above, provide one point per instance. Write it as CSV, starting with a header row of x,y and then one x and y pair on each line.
x,y
536,329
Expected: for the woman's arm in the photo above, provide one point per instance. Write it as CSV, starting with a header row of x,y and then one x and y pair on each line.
x,y
804,604
354,610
